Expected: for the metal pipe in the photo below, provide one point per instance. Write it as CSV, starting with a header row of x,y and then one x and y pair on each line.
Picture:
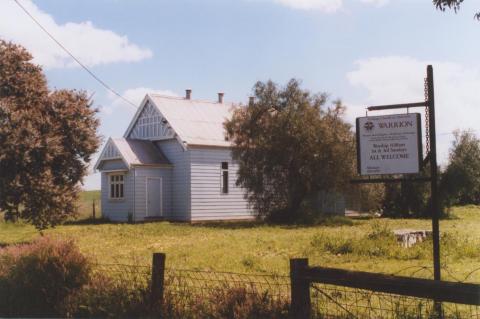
x,y
396,106
134,186
433,175
389,180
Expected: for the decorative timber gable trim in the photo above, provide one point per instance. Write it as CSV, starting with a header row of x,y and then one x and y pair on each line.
x,y
148,123
110,152
151,125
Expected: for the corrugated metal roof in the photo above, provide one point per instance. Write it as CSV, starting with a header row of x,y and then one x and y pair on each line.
x,y
196,122
140,152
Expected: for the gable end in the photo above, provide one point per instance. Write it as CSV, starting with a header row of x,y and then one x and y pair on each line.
x,y
150,125
110,152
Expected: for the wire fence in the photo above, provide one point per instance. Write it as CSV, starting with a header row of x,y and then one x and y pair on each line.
x,y
342,302
333,301
203,283
427,272
189,290
220,292
198,282
330,301
203,293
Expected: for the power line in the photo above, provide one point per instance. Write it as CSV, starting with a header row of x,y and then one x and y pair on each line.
x,y
105,85
453,133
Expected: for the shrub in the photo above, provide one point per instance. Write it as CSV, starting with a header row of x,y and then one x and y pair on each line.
x,y
379,242
333,221
457,247
460,182
407,200
410,199
379,230
310,216
106,297
239,303
334,244
365,197
248,261
226,303
51,278
40,278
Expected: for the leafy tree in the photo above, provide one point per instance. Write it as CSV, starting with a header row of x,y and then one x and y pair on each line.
x,y
46,142
407,199
460,182
365,197
411,198
451,4
289,146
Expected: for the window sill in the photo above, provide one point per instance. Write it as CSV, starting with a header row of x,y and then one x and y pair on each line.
x,y
116,199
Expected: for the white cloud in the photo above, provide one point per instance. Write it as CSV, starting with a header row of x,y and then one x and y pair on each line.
x,y
90,44
377,3
328,6
134,95
322,5
399,79
388,78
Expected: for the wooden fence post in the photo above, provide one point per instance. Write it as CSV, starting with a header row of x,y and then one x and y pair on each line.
x,y
93,209
158,279
300,289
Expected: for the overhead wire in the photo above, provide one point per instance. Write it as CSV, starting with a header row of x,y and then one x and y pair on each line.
x,y
103,83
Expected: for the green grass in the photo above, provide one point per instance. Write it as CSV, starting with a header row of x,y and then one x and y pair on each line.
x,y
85,204
364,244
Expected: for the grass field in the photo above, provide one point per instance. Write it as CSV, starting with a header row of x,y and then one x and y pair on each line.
x,y
85,204
257,248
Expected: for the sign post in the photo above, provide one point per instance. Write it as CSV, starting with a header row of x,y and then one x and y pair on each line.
x,y
392,145
433,175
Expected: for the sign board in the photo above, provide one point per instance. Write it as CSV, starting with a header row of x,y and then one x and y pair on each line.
x,y
389,144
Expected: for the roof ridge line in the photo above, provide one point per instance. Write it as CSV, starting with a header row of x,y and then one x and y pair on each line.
x,y
191,100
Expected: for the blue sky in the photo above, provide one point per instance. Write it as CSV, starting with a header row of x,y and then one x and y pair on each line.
x,y
362,51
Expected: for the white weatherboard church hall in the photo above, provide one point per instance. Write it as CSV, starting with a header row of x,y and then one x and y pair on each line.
x,y
172,163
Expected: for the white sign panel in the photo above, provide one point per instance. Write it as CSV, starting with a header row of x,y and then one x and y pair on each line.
x,y
390,144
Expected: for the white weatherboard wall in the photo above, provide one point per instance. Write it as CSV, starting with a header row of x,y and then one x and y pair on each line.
x,y
208,203
141,175
117,209
180,177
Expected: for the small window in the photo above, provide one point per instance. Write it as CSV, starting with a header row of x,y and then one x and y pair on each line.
x,y
224,177
116,186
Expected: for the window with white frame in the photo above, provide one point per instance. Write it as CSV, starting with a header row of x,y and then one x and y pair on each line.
x,y
224,178
116,186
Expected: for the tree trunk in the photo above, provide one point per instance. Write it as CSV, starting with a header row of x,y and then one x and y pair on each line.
x,y
11,216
